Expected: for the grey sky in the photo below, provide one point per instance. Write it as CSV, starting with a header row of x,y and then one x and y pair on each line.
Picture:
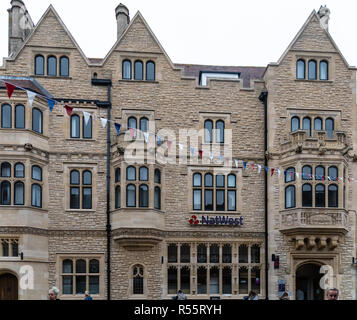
x,y
225,32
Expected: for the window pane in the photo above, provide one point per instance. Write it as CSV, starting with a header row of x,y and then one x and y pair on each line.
x,y
227,254
81,266
318,124
300,69
243,281
307,195
172,253
295,124
5,170
52,66
333,173
80,284
144,196
202,253
36,173
75,177
75,126
138,285
320,196
74,201
202,280
312,70
67,284
290,197
255,280
19,170
197,180
67,266
131,196
5,248
243,253
333,196
117,175
323,70
220,181
94,285
307,173
214,253
6,117
227,281
144,124
87,178
87,128
208,131
231,181
232,201
138,66
157,198
117,197
320,173
19,193
255,254
15,249
39,65
87,198
36,196
208,200
214,281
150,71
157,176
172,280
131,174
64,67
132,123
20,117
197,200
330,127
290,175
94,266
220,201
144,174
208,180
307,126
185,280
127,69
5,193
37,120
220,132
185,253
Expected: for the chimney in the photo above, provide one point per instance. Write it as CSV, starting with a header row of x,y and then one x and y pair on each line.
x,y
123,19
20,26
324,15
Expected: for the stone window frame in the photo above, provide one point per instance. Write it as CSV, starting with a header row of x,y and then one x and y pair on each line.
x,y
318,59
10,240
313,182
46,55
68,125
215,117
235,266
74,257
144,61
131,294
138,115
203,172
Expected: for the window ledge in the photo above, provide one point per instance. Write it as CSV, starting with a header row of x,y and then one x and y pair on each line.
x,y
80,210
139,81
51,77
319,81
80,139
17,207
218,213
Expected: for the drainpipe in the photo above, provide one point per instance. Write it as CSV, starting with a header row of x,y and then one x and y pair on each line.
x,y
264,98
108,105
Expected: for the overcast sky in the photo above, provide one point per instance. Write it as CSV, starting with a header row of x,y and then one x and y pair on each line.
x,y
225,32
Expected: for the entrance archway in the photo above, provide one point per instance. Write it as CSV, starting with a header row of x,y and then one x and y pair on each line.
x,y
8,287
308,278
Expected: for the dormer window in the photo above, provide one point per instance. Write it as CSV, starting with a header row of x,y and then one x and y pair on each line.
x,y
150,71
300,69
312,70
127,69
49,63
64,67
138,70
52,66
323,70
316,69
206,75
39,65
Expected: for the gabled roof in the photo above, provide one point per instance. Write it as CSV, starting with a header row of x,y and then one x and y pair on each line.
x,y
308,21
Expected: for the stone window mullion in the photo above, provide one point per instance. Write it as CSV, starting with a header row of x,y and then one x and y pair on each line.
x,y
249,278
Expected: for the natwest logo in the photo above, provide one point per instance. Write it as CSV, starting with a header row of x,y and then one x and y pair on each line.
x,y
217,221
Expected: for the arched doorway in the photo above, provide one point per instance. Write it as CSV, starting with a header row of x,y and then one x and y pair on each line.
x,y
308,278
8,287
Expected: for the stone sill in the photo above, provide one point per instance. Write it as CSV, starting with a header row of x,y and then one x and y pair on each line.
x,y
51,77
80,210
80,140
23,207
139,81
315,81
41,135
217,213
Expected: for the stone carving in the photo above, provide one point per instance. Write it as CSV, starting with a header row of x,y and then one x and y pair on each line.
x,y
324,14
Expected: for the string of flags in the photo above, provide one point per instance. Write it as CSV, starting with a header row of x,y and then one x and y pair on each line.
x,y
133,132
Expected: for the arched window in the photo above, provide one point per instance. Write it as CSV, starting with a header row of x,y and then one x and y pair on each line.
x,y
36,173
36,196
185,253
132,123
220,131
75,126
300,69
87,178
197,193
19,194
307,195
232,194
157,200
290,175
138,279
320,173
144,174
243,253
74,189
117,175
255,254
131,196
87,128
143,196
208,192
6,116
39,65
138,70
201,253
306,125
144,124
37,120
333,173
307,173
5,170
312,70
320,192
127,70
227,253
64,67
330,127
220,193
150,71
290,197
333,196
117,197
157,176
130,173
172,253
19,170
295,124
208,131
197,180
318,124
20,117
75,177
87,190
232,181
214,253
81,266
323,70
227,280
52,66
67,266
5,191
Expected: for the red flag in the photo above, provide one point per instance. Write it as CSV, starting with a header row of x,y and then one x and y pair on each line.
x,y
292,175
252,166
69,110
10,89
323,178
200,153
349,180
132,132
169,144
272,171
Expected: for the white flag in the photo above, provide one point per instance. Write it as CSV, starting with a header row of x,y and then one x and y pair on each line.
x,y
146,136
211,156
104,122
259,168
86,117
236,162
180,146
279,173
30,96
297,175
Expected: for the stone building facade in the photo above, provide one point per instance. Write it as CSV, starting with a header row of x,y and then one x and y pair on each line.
x,y
57,227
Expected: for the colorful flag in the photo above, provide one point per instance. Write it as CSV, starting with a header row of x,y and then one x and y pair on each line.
x,y
259,168
30,97
132,132
200,152
104,122
237,163
117,126
244,165
272,171
10,89
51,104
87,116
169,144
69,110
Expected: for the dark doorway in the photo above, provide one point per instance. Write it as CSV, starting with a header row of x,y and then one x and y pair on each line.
x,y
308,279
8,287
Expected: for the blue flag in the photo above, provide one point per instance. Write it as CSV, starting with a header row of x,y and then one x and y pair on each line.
x,y
117,126
245,165
51,104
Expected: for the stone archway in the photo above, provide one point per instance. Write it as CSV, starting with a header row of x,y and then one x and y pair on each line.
x,y
307,282
8,287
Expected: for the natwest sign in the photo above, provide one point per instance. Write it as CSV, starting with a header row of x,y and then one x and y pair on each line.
x,y
217,221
